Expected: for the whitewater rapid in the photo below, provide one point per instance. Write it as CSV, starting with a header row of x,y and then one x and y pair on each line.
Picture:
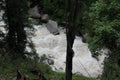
x,y
54,47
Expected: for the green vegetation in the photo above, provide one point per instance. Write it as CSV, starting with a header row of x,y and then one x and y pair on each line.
x,y
99,18
103,19
104,22
112,67
10,64
56,12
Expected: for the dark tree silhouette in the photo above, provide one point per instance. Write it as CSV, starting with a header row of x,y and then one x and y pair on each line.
x,y
71,26
16,13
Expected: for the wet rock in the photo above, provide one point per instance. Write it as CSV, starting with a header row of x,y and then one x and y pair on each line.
x,y
44,18
52,26
34,12
50,62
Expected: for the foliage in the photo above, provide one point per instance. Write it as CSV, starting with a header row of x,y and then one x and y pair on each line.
x,y
2,4
112,67
16,19
9,65
56,12
103,20
18,24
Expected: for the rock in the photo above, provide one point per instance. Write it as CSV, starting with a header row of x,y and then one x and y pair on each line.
x,y
52,26
85,37
1,14
47,59
50,62
61,68
34,12
44,18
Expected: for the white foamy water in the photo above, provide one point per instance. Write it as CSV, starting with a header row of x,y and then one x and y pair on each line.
x,y
54,46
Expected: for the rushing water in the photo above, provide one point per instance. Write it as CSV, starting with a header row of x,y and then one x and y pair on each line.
x,y
54,47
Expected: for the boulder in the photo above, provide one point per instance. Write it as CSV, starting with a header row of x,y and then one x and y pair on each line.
x,y
44,18
50,62
34,12
52,26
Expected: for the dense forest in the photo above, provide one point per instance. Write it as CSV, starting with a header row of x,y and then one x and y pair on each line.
x,y
97,22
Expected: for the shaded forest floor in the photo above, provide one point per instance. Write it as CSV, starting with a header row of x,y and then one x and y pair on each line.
x,y
30,68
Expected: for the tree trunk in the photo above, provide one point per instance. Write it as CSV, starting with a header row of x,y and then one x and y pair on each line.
x,y
70,33
16,11
11,29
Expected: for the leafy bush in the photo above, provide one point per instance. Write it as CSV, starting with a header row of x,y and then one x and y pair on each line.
x,y
56,12
9,66
104,27
103,19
